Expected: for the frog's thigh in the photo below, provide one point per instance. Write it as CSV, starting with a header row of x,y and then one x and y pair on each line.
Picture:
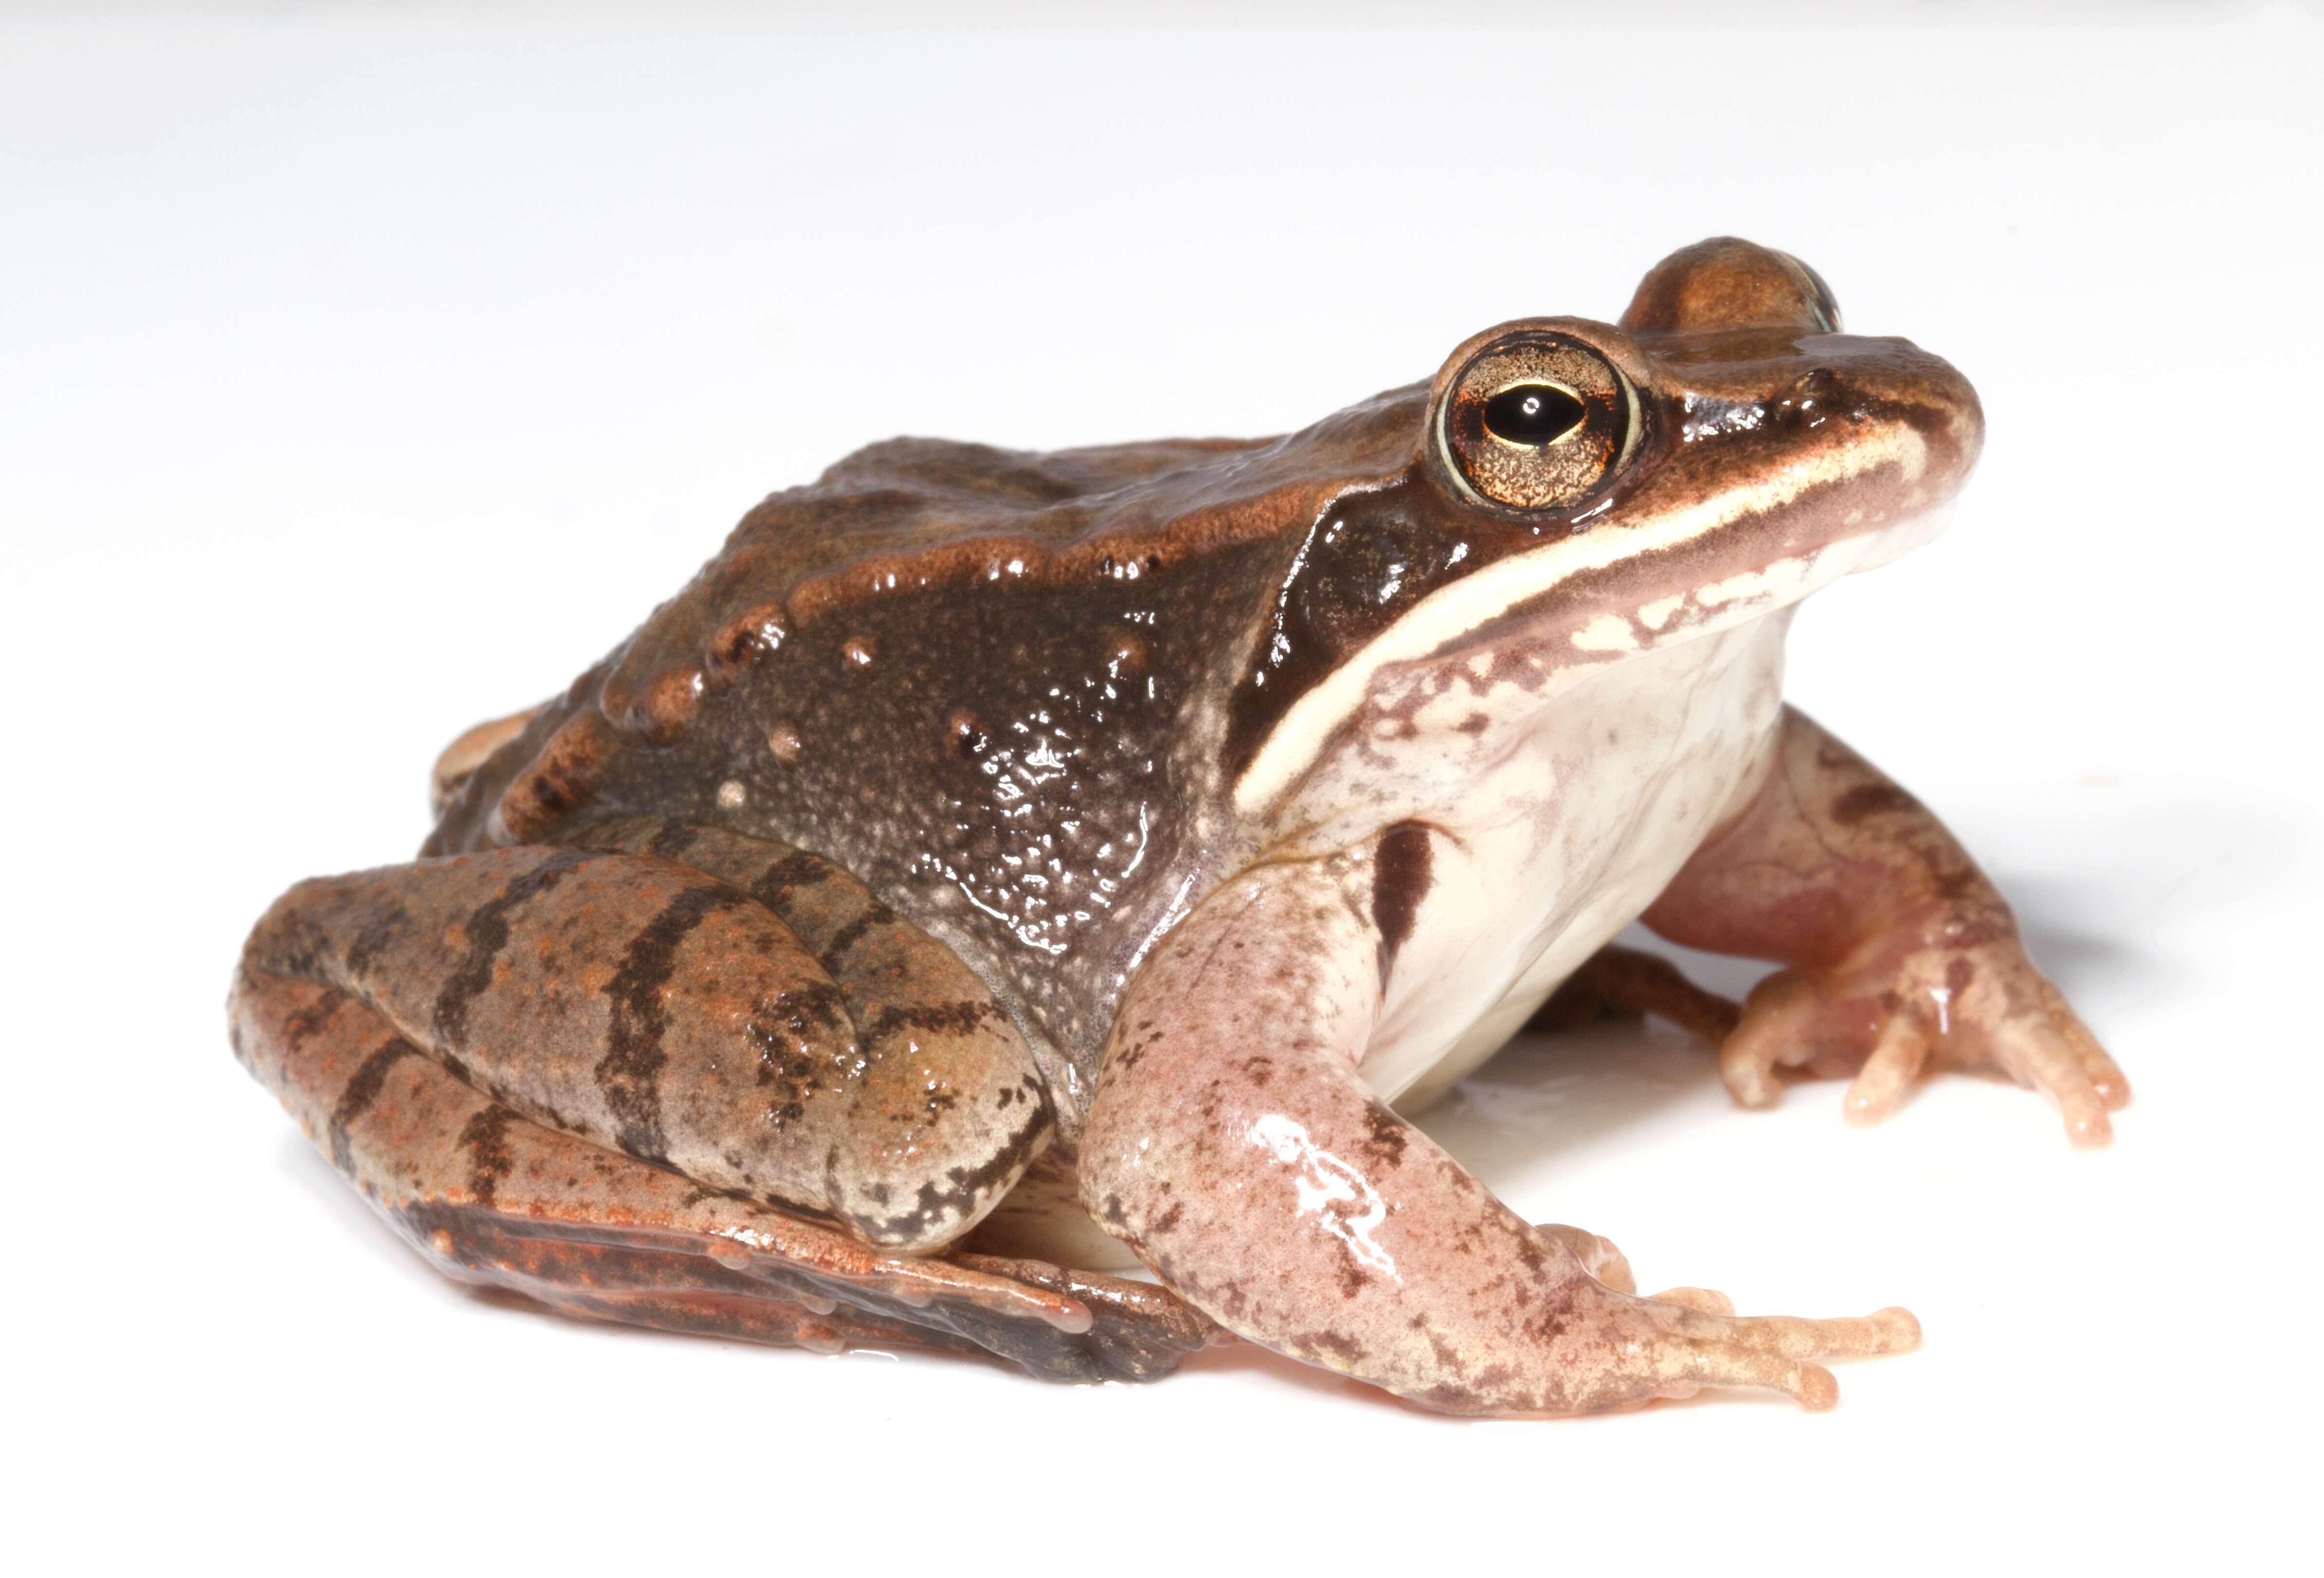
x,y
654,1009
493,1198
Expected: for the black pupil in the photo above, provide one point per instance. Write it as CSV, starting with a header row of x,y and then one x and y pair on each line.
x,y
1531,413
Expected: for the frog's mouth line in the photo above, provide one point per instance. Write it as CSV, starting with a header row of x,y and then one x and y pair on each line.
x,y
1440,621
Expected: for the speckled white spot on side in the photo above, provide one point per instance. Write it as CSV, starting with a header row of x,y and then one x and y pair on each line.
x,y
731,795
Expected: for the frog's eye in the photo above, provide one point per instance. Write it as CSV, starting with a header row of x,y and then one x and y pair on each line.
x,y
1535,421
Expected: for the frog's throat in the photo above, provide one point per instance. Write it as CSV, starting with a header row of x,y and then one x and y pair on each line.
x,y
1440,621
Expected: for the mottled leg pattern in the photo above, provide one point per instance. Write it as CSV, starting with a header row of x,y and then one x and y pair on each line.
x,y
611,1079
1903,958
1235,1148
793,1041
494,1198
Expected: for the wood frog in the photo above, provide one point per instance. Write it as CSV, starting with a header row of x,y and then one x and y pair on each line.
x,y
994,869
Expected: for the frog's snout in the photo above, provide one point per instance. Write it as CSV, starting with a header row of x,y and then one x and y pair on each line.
x,y
1941,405
1870,383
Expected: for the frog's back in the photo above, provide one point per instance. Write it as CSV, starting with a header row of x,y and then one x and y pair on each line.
x,y
991,683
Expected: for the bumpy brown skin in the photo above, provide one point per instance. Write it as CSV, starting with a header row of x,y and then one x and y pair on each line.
x,y
617,1051
1902,956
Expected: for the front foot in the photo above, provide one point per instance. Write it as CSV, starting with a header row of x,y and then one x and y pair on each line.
x,y
1903,957
1888,1014
1637,1350
1645,1350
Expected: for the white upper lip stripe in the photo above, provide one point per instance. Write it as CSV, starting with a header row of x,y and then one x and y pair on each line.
x,y
1475,599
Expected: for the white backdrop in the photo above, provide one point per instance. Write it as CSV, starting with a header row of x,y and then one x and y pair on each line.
x,y
362,378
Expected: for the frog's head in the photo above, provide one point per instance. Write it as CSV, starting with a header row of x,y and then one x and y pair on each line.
x,y
1579,494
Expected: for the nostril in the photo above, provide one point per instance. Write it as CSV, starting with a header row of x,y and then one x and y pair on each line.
x,y
1814,397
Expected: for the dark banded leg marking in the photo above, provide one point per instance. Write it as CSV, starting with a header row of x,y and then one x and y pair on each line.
x,y
487,929
630,1074
834,953
485,1137
670,1011
935,1042
494,1198
628,1000
360,1091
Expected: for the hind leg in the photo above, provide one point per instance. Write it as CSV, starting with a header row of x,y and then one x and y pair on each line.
x,y
621,1079
494,1198
1620,982
860,1072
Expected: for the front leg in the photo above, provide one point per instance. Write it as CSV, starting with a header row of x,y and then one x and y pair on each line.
x,y
1234,1147
1902,956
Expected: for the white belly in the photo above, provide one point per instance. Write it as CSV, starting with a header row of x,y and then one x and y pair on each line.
x,y
1564,839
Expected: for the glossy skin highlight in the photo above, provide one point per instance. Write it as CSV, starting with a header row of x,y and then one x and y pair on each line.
x,y
993,865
